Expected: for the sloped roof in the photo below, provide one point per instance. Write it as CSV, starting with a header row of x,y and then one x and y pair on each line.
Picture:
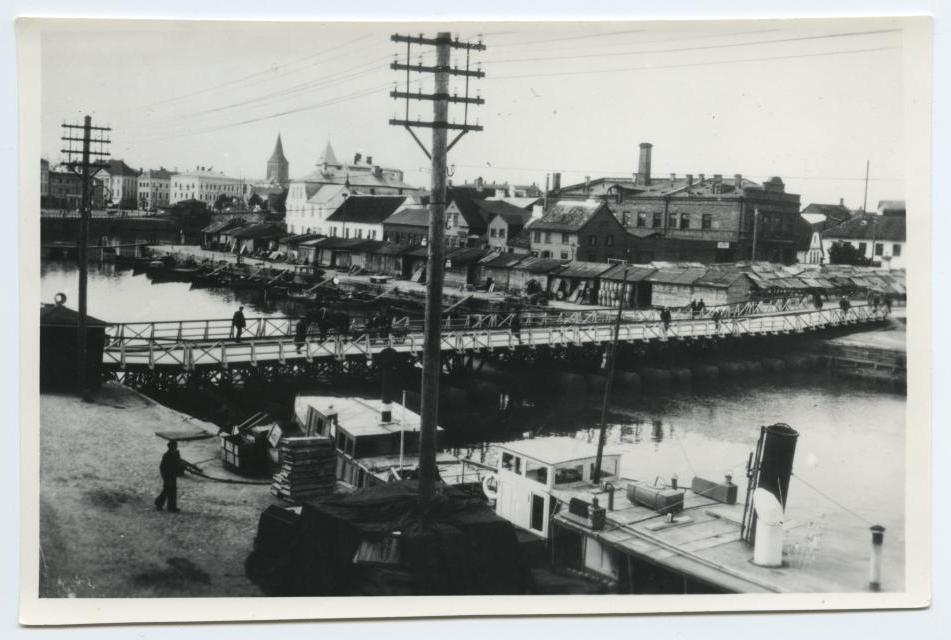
x,y
522,202
117,167
157,174
720,277
511,214
635,273
532,264
53,315
366,209
465,255
391,249
471,212
836,212
675,275
581,269
869,227
568,215
410,216
521,240
223,225
328,157
259,231
504,261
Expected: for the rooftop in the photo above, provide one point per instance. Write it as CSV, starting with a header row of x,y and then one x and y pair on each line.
x,y
568,215
552,450
366,209
361,417
870,227
410,216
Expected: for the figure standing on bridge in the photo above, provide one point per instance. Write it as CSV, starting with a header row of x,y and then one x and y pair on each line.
x,y
817,301
844,305
517,325
665,318
170,468
300,333
322,322
238,323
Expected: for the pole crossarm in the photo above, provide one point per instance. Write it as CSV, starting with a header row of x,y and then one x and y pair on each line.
x,y
436,96
435,125
422,68
452,43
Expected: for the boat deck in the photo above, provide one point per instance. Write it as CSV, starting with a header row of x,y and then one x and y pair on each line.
x,y
704,542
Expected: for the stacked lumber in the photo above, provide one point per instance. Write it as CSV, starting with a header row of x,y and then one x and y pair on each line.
x,y
307,468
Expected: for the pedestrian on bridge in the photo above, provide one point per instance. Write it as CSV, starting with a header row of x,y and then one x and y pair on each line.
x,y
322,321
817,301
665,318
170,468
517,325
300,333
844,305
238,324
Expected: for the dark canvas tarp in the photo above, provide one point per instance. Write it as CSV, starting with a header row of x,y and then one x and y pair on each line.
x,y
462,548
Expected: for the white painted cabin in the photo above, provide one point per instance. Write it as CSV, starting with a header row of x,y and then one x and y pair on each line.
x,y
531,472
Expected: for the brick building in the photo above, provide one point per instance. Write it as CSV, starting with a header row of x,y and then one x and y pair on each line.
x,y
702,218
579,230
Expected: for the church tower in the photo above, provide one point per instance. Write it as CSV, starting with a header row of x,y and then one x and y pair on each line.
x,y
277,165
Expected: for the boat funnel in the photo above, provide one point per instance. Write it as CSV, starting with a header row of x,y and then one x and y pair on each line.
x,y
768,546
776,461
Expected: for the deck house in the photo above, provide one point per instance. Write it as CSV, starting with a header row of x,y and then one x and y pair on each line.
x,y
577,281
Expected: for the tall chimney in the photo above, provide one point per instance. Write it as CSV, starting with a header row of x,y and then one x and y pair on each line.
x,y
841,202
673,178
556,181
737,181
689,179
644,165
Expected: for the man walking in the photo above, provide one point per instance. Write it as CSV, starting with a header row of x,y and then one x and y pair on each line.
x,y
169,468
300,333
238,323
665,318
517,325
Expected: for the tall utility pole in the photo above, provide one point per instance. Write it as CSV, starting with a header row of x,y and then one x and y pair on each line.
x,y
612,359
755,233
865,198
440,124
85,161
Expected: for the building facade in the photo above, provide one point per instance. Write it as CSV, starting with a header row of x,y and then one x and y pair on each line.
x,y
702,218
154,186
204,185
579,230
362,217
878,238
120,185
310,201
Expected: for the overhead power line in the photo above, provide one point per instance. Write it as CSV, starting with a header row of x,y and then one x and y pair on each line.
x,y
690,64
703,47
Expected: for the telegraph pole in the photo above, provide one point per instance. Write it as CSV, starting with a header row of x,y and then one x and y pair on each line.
x,y
85,162
440,124
865,198
755,230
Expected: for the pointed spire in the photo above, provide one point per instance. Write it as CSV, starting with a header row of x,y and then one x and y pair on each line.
x,y
278,155
329,157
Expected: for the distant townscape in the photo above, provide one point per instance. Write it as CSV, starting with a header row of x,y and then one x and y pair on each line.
x,y
638,218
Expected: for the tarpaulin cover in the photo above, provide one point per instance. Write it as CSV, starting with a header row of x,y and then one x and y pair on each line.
x,y
461,548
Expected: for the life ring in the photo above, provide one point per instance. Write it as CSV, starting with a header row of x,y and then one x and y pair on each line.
x,y
490,486
59,299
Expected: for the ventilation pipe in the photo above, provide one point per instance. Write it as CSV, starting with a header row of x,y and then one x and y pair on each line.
x,y
689,179
768,548
875,561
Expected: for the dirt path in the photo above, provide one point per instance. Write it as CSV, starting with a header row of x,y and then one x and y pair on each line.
x,y
100,533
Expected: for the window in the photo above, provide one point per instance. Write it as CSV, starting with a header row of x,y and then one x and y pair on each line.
x,y
592,240
684,221
658,220
548,237
492,233
565,475
672,221
863,247
564,237
537,236
564,255
536,471
608,469
706,221
641,220
609,241
501,233
879,248
896,250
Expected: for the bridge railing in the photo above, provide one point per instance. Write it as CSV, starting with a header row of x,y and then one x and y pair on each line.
x,y
190,354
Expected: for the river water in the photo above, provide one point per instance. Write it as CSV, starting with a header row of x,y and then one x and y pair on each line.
x,y
850,458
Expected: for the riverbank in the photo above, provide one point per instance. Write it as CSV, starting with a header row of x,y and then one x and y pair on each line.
x,y
100,534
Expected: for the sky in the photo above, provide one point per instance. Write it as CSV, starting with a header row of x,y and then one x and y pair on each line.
x,y
809,101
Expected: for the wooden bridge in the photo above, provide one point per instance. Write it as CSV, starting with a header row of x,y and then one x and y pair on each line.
x,y
201,344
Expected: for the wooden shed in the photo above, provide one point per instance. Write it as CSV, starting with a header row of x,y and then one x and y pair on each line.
x,y
719,286
59,348
673,286
497,271
577,281
638,288
530,270
462,266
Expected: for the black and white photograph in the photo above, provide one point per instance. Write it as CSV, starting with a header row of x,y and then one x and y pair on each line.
x,y
339,313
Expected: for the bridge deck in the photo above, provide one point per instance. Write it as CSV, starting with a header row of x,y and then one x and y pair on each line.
x,y
140,351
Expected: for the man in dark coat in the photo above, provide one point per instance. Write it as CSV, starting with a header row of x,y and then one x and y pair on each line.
x,y
238,323
517,325
300,333
665,317
170,467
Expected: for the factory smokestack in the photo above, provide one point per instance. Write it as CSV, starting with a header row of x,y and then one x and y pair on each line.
x,y
644,165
